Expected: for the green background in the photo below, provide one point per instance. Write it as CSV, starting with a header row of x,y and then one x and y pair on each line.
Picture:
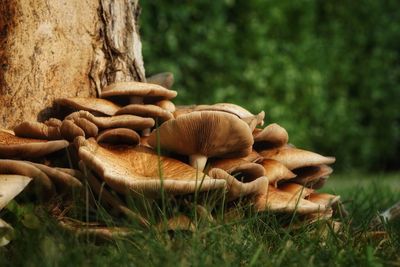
x,y
327,71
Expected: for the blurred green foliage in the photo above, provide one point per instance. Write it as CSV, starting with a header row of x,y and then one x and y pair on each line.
x,y
328,71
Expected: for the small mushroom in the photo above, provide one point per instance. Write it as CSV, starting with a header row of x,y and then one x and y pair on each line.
x,y
122,136
91,104
43,182
69,130
204,134
323,198
312,174
140,171
12,146
249,170
119,121
147,111
271,136
238,189
167,105
165,79
11,186
276,171
251,119
296,190
37,130
60,178
294,158
276,200
137,92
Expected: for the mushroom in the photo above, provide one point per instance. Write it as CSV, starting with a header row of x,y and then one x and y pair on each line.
x,y
119,121
323,198
137,92
37,130
43,182
11,186
204,134
122,136
95,105
238,189
294,158
60,178
251,119
165,79
276,200
12,146
141,171
149,111
276,171
271,136
167,105
249,170
312,174
296,190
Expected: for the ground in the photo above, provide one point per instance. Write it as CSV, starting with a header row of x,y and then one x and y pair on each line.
x,y
257,240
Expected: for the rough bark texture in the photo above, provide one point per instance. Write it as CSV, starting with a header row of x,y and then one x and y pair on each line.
x,y
63,48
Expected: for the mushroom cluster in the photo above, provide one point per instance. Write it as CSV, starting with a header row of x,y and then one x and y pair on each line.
x,y
134,142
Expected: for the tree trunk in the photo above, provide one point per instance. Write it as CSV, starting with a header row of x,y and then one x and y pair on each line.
x,y
63,48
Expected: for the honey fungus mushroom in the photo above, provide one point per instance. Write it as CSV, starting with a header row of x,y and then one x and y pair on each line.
x,y
136,170
136,92
204,134
12,146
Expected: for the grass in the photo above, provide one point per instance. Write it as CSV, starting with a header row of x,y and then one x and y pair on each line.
x,y
255,240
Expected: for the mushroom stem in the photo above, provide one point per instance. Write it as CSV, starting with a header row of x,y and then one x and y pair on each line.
x,y
136,100
198,161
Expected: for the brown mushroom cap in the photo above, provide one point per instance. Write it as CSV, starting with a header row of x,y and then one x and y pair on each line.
x,y
37,130
69,130
323,199
249,170
60,178
12,146
150,111
279,201
122,136
11,186
204,134
17,167
99,105
245,115
119,121
276,171
165,79
167,105
153,92
237,189
296,190
294,158
271,136
311,174
137,170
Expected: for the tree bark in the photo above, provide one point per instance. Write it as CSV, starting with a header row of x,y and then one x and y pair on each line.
x,y
63,48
